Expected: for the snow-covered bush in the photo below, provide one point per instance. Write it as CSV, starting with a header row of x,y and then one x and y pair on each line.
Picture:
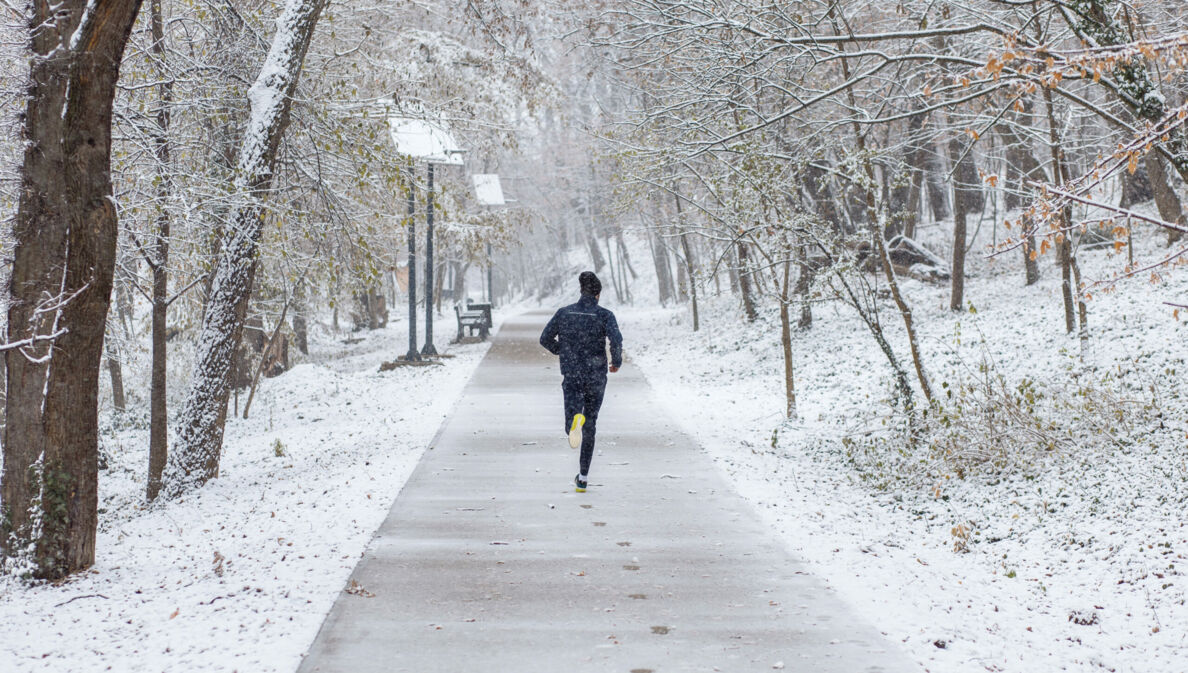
x,y
986,421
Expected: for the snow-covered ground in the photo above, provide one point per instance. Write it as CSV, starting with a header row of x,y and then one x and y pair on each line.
x,y
1073,558
240,574
1067,559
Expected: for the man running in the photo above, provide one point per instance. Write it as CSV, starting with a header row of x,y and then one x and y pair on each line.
x,y
578,333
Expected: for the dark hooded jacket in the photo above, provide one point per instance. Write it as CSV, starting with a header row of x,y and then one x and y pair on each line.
x,y
579,334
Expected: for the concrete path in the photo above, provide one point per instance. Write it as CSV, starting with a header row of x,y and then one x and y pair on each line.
x,y
489,561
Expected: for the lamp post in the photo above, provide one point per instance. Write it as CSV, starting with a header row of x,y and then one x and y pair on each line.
x,y
449,152
428,349
420,139
412,355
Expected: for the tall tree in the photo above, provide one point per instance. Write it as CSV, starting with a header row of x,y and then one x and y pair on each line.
x,y
963,173
158,416
60,289
195,458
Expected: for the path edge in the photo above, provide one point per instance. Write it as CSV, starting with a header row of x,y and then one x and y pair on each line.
x,y
420,464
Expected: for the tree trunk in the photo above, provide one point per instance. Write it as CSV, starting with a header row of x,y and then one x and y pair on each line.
x,y
595,250
63,261
1166,199
690,267
200,434
625,282
916,158
301,332
1082,310
123,302
965,177
960,200
692,273
626,261
614,275
804,281
663,271
732,270
786,344
116,372
1064,241
460,293
1065,258
682,280
744,282
936,188
299,324
906,313
158,413
1136,187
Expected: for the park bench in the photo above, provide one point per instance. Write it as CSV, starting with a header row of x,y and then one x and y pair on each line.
x,y
475,317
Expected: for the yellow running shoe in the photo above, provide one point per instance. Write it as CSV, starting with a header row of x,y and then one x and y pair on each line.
x,y
575,431
579,484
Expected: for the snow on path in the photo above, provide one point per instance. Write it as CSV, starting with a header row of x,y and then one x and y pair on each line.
x,y
239,574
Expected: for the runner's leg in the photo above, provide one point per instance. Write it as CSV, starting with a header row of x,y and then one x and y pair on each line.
x,y
592,401
571,390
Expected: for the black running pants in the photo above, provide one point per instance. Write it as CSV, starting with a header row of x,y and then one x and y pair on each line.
x,y
584,396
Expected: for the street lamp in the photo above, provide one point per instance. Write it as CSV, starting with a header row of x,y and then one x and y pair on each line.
x,y
412,355
433,144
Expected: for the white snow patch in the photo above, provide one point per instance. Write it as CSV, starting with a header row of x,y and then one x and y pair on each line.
x,y
239,574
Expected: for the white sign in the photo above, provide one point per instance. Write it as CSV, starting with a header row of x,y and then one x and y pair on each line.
x,y
488,190
422,140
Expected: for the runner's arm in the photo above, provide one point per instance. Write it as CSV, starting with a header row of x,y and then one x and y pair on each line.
x,y
548,338
616,340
